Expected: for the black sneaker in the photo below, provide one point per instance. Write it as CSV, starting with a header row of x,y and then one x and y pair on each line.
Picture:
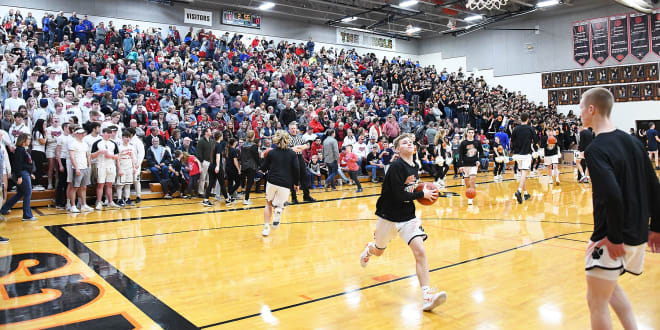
x,y
129,202
121,203
230,200
309,199
138,200
527,196
519,197
185,196
207,202
4,240
294,201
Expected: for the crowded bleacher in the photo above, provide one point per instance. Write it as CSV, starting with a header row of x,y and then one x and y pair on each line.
x,y
148,105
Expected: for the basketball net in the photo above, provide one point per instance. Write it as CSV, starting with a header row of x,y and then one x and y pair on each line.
x,y
485,4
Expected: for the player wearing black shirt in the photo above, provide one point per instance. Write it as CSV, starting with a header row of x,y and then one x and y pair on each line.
x,y
281,164
522,138
652,140
396,214
469,152
551,157
216,171
626,193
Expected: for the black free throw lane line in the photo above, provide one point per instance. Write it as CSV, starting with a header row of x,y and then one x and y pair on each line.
x,y
390,281
153,307
326,221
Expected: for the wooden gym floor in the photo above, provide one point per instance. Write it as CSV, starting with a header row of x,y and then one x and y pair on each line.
x,y
178,265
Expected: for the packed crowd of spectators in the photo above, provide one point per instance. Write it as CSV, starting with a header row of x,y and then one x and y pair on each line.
x,y
173,91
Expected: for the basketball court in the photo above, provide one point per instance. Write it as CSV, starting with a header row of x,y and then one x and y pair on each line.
x,y
178,265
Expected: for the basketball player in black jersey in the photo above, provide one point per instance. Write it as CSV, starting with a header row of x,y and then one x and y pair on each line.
x,y
522,138
626,193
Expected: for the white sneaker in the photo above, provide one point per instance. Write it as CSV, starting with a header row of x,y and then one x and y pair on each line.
x,y
462,182
113,205
266,230
364,257
74,209
39,188
431,301
495,178
99,206
67,207
86,208
247,202
50,187
470,202
441,183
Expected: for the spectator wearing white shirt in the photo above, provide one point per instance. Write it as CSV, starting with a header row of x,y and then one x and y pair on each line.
x,y
14,101
18,127
81,163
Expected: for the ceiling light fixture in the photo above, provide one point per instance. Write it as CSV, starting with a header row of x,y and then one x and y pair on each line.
x,y
474,18
412,29
408,3
266,6
547,3
348,19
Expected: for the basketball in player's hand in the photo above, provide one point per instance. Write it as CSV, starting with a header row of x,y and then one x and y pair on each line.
x,y
429,186
470,193
552,140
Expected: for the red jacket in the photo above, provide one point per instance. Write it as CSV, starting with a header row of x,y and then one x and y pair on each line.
x,y
152,105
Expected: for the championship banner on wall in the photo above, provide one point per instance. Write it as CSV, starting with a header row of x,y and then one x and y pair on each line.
x,y
655,31
353,38
619,47
200,17
639,35
581,52
600,46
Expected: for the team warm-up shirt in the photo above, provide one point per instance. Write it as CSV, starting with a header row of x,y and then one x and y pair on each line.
x,y
626,191
102,160
398,192
127,156
522,138
470,152
63,142
282,166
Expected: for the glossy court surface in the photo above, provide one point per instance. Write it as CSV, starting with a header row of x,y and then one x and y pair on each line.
x,y
178,265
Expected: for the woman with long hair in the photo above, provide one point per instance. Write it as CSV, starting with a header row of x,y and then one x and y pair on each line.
x,y
53,131
22,174
39,151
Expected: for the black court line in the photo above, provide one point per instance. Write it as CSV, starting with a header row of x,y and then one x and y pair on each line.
x,y
153,307
244,208
574,240
387,282
325,221
38,212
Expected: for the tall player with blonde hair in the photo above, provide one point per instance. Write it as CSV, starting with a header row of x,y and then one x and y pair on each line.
x,y
281,163
626,194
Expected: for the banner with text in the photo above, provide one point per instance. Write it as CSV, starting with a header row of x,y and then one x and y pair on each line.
x,y
619,48
355,38
600,45
200,17
639,35
581,51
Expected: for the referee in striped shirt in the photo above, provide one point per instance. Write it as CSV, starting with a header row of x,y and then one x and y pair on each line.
x,y
298,145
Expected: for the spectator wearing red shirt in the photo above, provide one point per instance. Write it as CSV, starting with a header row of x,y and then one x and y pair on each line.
x,y
391,128
348,161
152,104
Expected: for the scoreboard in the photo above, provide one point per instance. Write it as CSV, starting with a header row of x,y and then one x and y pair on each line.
x,y
237,18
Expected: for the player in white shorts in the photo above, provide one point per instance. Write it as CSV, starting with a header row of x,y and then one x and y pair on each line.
x,y
522,138
551,158
80,162
127,160
626,194
395,210
281,164
107,154
52,133
469,153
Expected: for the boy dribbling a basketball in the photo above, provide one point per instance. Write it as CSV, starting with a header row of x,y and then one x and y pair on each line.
x,y
396,213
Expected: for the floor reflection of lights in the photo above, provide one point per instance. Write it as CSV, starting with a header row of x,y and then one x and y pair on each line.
x,y
550,313
411,314
478,296
267,316
353,297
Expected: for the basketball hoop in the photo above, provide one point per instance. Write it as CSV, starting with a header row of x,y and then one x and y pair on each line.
x,y
485,4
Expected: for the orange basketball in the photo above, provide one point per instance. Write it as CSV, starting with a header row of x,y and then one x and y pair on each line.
x,y
500,149
552,140
470,193
266,152
423,200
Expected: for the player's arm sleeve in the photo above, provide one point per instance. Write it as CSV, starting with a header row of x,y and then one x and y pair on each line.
x,y
398,182
607,193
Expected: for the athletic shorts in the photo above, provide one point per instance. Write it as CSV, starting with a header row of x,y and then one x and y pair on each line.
x,y
524,161
550,160
470,170
50,153
599,264
653,149
106,175
386,230
81,180
69,171
277,195
127,176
